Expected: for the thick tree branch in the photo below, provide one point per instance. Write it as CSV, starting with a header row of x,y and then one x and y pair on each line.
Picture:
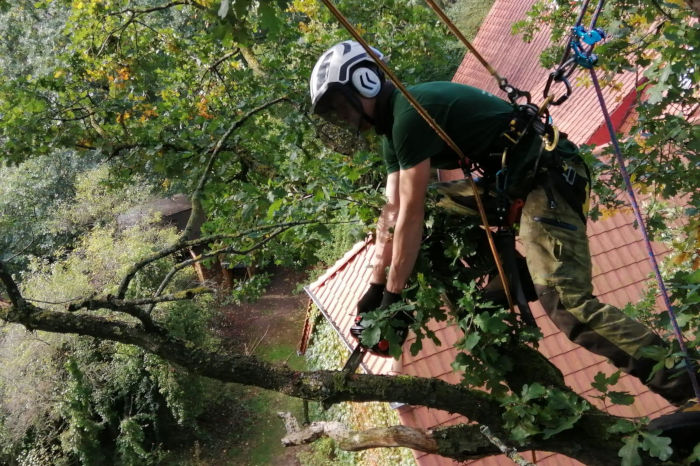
x,y
133,308
462,442
118,305
178,296
322,386
590,442
394,436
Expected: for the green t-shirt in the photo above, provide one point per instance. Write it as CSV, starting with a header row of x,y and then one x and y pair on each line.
x,y
473,118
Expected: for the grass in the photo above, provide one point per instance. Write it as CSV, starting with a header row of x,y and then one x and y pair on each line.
x,y
468,15
282,353
253,437
260,443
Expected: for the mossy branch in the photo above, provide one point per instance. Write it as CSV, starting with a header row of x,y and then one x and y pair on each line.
x,y
590,442
133,308
118,305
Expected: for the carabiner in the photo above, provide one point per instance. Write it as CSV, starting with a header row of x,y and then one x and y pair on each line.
x,y
558,76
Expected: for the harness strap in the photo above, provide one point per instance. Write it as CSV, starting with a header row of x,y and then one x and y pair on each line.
x,y
560,176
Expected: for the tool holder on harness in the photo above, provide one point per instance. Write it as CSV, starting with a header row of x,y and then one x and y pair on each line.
x,y
527,119
505,243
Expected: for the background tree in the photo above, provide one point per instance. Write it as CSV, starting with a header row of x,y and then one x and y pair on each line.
x,y
209,97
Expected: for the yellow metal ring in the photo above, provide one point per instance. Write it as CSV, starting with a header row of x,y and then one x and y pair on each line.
x,y
549,146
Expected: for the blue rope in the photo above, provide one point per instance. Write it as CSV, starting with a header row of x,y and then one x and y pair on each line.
x,y
640,221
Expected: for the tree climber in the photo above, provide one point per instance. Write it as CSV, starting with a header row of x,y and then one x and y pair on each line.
x,y
348,88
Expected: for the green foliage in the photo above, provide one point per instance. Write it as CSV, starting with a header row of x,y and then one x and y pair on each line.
x,y
152,89
131,440
31,196
601,383
657,447
81,435
541,410
468,15
117,399
250,289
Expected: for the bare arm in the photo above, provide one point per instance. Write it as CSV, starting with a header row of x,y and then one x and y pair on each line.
x,y
385,224
412,186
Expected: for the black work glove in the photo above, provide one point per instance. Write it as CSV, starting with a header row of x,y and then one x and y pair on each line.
x,y
387,299
372,299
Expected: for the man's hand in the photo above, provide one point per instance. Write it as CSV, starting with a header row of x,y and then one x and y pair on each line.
x,y
401,320
372,299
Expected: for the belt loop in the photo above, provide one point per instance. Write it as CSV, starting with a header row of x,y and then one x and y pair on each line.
x,y
569,175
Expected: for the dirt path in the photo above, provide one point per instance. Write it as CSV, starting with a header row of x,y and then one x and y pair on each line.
x,y
276,318
269,328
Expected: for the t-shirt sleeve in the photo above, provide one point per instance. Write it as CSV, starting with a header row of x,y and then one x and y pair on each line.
x,y
414,140
392,164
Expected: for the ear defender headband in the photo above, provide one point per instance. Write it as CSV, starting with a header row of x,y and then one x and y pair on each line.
x,y
366,82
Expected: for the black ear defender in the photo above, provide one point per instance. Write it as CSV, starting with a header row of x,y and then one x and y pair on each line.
x,y
366,81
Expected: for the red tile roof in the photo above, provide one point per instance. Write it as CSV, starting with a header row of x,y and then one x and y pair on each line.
x,y
518,62
620,266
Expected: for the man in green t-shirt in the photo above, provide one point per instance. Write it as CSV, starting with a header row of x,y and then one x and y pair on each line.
x,y
348,87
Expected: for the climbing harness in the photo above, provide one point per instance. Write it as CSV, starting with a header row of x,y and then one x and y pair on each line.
x,y
527,118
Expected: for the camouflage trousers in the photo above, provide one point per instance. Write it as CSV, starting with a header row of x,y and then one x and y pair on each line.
x,y
559,260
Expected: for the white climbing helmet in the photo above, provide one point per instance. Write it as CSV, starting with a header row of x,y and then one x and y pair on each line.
x,y
343,66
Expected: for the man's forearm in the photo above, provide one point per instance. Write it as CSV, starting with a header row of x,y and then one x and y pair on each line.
x,y
406,243
413,183
383,245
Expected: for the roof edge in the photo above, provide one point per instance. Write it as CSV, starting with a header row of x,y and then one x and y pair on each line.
x,y
323,310
355,250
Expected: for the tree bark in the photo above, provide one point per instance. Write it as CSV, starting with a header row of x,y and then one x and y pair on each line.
x,y
589,442
462,442
394,436
252,61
